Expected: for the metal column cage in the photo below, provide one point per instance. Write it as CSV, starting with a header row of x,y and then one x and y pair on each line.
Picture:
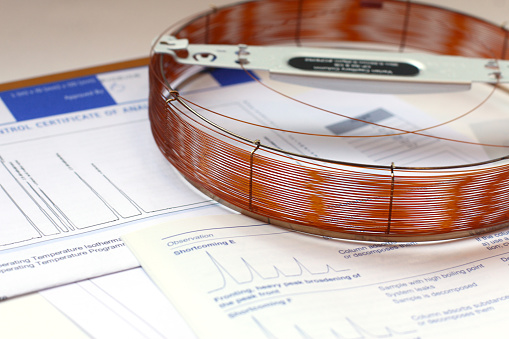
x,y
322,196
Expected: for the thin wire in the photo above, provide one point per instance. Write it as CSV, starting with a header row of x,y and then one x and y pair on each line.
x,y
391,200
404,31
403,132
292,155
251,159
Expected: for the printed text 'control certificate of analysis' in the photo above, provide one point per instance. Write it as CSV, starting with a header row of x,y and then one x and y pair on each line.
x,y
234,277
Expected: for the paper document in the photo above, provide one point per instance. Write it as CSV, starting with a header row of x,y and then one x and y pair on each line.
x,y
234,277
120,305
78,165
32,316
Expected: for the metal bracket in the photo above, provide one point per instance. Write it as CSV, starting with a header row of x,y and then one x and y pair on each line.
x,y
345,69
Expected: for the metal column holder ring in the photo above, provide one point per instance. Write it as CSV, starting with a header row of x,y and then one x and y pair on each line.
x,y
383,46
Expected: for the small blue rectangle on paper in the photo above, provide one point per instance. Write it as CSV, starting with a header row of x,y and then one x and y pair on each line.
x,y
228,77
56,98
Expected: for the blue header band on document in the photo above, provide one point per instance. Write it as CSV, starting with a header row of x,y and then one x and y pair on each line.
x,y
227,77
56,98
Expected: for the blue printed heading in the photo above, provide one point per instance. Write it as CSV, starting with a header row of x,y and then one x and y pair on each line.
x,y
56,98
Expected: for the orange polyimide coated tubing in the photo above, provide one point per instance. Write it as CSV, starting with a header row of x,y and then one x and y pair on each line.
x,y
332,199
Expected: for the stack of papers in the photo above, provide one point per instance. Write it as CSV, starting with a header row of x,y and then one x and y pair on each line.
x,y
87,197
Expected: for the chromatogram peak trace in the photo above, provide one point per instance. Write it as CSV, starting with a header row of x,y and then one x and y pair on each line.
x,y
228,277
359,331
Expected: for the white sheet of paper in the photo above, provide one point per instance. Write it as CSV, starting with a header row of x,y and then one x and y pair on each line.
x,y
234,277
32,316
72,183
120,305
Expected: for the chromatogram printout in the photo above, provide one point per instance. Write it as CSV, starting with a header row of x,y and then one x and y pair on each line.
x,y
72,176
237,277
